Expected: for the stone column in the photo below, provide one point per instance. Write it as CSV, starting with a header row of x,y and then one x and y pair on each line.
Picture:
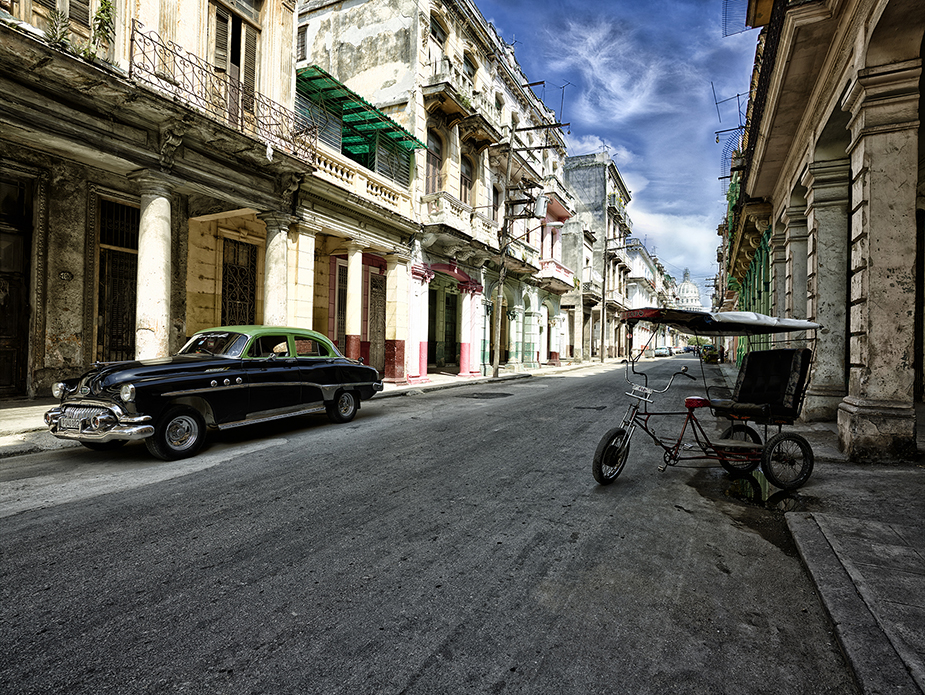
x,y
396,318
304,280
486,304
417,330
152,306
828,188
466,330
779,274
795,234
476,320
515,335
276,269
876,420
354,318
531,339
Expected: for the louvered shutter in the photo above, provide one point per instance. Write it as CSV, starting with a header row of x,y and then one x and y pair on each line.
x,y
249,68
222,38
79,12
300,51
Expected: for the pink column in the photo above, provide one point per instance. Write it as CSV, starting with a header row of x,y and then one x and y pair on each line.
x,y
468,351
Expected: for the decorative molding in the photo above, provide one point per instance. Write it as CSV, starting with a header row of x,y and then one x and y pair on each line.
x,y
171,137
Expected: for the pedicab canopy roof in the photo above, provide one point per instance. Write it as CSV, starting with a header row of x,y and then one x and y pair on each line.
x,y
717,323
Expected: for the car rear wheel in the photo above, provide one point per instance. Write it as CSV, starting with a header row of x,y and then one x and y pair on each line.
x,y
179,433
343,408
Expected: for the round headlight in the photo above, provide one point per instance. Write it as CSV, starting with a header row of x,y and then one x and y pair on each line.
x,y
58,390
127,393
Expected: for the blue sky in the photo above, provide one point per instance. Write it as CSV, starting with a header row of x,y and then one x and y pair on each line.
x,y
640,75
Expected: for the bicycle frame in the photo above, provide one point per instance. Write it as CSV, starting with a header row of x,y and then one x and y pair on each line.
x,y
633,419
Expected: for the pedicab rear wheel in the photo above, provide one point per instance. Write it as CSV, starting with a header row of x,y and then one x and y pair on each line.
x,y
787,460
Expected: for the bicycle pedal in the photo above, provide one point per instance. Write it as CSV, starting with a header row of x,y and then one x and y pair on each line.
x,y
661,468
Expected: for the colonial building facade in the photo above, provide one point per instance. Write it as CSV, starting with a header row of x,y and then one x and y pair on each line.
x,y
827,207
172,179
602,222
492,155
148,174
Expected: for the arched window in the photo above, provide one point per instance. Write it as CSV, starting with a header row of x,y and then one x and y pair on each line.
x,y
437,32
438,37
466,179
434,162
469,68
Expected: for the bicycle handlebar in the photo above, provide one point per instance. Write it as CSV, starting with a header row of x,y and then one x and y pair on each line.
x,y
638,389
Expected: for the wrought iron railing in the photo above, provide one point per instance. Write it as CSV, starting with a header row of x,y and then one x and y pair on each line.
x,y
188,78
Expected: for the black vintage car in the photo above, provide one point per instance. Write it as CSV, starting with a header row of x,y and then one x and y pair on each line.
x,y
223,377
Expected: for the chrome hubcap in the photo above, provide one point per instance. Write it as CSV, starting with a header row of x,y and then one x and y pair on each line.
x,y
181,432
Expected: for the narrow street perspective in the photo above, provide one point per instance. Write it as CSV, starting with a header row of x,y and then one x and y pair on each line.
x,y
321,560
462,346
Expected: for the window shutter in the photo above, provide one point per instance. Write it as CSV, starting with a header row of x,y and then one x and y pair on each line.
x,y
222,36
79,12
249,69
300,43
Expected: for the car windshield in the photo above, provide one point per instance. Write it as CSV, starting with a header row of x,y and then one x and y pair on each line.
x,y
221,343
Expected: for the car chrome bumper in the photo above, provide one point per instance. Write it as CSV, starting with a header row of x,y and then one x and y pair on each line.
x,y
111,424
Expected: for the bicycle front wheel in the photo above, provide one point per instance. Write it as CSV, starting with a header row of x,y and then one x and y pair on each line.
x,y
610,456
787,461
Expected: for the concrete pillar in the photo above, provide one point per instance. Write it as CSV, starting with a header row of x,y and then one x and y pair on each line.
x,y
876,420
515,334
396,318
828,188
779,296
276,269
417,329
354,320
466,330
795,243
531,339
485,305
303,308
152,306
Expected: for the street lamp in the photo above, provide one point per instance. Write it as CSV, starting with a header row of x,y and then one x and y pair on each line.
x,y
502,274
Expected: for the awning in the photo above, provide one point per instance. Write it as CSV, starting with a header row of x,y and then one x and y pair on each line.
x,y
718,323
364,122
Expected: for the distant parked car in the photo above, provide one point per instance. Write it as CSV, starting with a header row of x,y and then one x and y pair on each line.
x,y
662,352
222,378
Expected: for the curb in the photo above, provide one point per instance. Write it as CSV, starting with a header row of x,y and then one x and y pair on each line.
x,y
873,660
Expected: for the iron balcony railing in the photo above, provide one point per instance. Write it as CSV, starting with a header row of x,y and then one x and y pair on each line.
x,y
188,78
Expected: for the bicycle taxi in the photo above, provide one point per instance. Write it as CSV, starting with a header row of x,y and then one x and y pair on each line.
x,y
768,392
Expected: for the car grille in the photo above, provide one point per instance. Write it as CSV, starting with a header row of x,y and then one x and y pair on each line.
x,y
82,412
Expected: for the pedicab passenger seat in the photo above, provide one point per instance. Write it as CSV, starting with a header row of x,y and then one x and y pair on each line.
x,y
769,388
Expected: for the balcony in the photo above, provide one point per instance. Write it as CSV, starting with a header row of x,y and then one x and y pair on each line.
x,y
187,78
449,90
522,258
617,298
452,228
555,277
345,173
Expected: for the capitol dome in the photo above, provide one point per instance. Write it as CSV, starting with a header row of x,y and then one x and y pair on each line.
x,y
688,293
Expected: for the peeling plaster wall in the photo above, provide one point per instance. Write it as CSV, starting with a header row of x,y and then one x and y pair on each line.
x,y
368,47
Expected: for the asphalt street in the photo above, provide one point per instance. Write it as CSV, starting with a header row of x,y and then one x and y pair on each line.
x,y
443,542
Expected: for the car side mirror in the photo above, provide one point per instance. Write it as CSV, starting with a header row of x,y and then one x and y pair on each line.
x,y
361,361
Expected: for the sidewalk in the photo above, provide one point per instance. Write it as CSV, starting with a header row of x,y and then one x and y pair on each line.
x,y
865,551
863,545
